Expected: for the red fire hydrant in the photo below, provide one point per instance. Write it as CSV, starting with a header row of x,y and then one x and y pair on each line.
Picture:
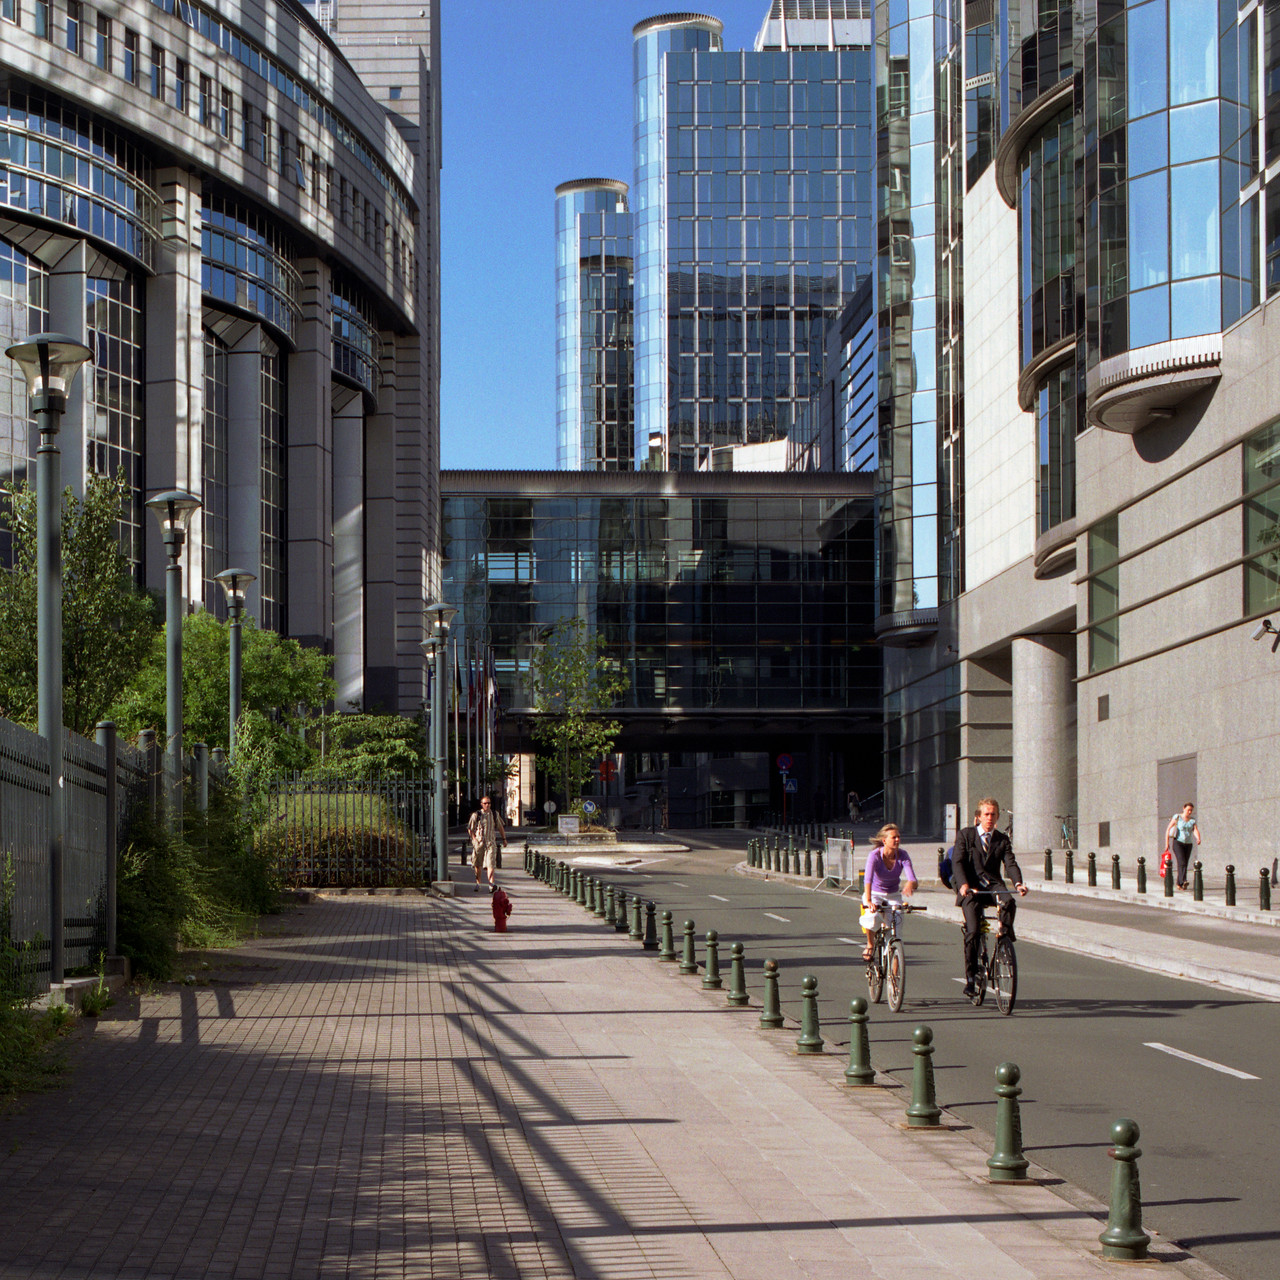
x,y
501,910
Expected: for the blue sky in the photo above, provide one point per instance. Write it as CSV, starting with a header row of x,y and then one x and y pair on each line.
x,y
535,93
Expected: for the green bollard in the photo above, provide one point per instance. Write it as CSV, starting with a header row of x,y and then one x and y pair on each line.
x,y
668,949
580,889
1048,864
1007,1163
808,858
601,910
620,911
1264,890
809,1041
1093,870
650,927
1069,874
751,853
858,1074
1142,875
737,976
923,1113
1231,885
1124,1238
822,875
1168,877
566,878
786,855
1115,871
1197,881
636,933
592,889
771,1013
711,979
688,961
608,904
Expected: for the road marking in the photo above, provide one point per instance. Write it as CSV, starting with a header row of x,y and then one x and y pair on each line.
x,y
784,919
717,897
1201,1062
678,885
853,942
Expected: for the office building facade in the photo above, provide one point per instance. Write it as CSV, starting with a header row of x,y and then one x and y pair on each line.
x,y
1122,486
752,208
215,202
739,606
594,420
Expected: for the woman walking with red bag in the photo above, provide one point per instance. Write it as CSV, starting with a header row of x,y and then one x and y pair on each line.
x,y
1182,827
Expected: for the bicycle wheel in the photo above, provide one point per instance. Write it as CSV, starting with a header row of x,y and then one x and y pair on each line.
x,y
875,973
980,978
1004,972
897,974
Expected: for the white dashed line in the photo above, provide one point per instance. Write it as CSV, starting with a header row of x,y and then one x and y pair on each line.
x,y
853,942
784,919
717,897
678,885
1200,1062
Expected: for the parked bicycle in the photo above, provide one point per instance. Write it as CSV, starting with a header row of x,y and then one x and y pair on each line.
x,y
999,968
887,967
1067,830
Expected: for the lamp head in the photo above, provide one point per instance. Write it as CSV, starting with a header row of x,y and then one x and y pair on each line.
x,y
49,362
440,617
235,583
174,510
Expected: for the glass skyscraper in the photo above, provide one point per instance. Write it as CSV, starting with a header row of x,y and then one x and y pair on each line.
x,y
753,222
594,420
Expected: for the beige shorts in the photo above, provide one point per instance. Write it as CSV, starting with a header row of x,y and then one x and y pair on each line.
x,y
485,856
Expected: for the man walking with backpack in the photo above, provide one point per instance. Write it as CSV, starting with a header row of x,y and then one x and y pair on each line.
x,y
485,829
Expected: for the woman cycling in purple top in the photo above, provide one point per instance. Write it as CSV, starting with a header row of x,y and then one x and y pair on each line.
x,y
887,863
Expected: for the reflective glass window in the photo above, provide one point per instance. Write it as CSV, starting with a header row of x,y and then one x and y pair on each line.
x,y
1261,477
1193,211
1147,51
1193,50
1148,233
1193,132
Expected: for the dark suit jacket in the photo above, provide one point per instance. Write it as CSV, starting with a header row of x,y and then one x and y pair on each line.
x,y
969,862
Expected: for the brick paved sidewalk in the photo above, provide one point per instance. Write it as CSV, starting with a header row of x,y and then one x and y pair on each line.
x,y
384,1087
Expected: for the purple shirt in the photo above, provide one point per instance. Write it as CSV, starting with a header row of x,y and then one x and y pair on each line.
x,y
882,878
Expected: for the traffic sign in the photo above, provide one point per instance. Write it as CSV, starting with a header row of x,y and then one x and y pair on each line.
x,y
588,806
550,806
792,785
784,763
607,770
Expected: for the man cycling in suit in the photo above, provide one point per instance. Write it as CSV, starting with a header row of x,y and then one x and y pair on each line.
x,y
980,853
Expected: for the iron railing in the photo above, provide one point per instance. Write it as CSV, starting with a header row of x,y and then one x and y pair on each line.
x,y
346,833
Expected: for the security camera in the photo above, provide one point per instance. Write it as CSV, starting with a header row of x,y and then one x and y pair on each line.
x,y
1264,628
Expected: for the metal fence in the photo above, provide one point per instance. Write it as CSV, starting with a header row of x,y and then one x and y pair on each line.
x,y
349,833
25,926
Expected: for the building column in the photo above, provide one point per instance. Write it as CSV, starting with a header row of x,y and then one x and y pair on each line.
x,y
244,461
348,549
175,371
380,549
985,732
68,314
1044,738
309,466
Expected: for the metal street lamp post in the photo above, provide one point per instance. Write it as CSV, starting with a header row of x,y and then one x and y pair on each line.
x,y
235,583
50,362
431,650
174,510
440,618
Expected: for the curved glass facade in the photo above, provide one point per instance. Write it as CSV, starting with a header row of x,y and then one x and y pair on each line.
x,y
355,337
1057,421
23,310
1048,229
271,583
594,292
60,164
649,206
248,263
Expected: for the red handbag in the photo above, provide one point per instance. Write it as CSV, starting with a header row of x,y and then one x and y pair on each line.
x,y
1165,859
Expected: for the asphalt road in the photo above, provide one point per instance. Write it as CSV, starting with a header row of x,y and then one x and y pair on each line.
x,y
1081,1034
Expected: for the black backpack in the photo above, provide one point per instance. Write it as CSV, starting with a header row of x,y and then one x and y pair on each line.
x,y
944,866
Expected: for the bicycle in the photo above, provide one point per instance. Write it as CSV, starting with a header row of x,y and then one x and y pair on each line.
x,y
1067,823
889,957
1000,969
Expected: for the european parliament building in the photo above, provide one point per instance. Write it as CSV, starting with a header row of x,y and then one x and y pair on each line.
x,y
235,207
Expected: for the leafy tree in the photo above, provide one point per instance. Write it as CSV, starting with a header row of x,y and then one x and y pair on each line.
x,y
365,746
108,622
574,684
278,676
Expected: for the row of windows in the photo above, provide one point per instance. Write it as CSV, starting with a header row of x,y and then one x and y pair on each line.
x,y
120,50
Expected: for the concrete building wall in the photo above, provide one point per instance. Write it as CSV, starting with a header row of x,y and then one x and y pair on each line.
x,y
999,437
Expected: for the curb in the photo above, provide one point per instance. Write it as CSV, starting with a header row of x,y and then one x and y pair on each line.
x,y
1157,901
